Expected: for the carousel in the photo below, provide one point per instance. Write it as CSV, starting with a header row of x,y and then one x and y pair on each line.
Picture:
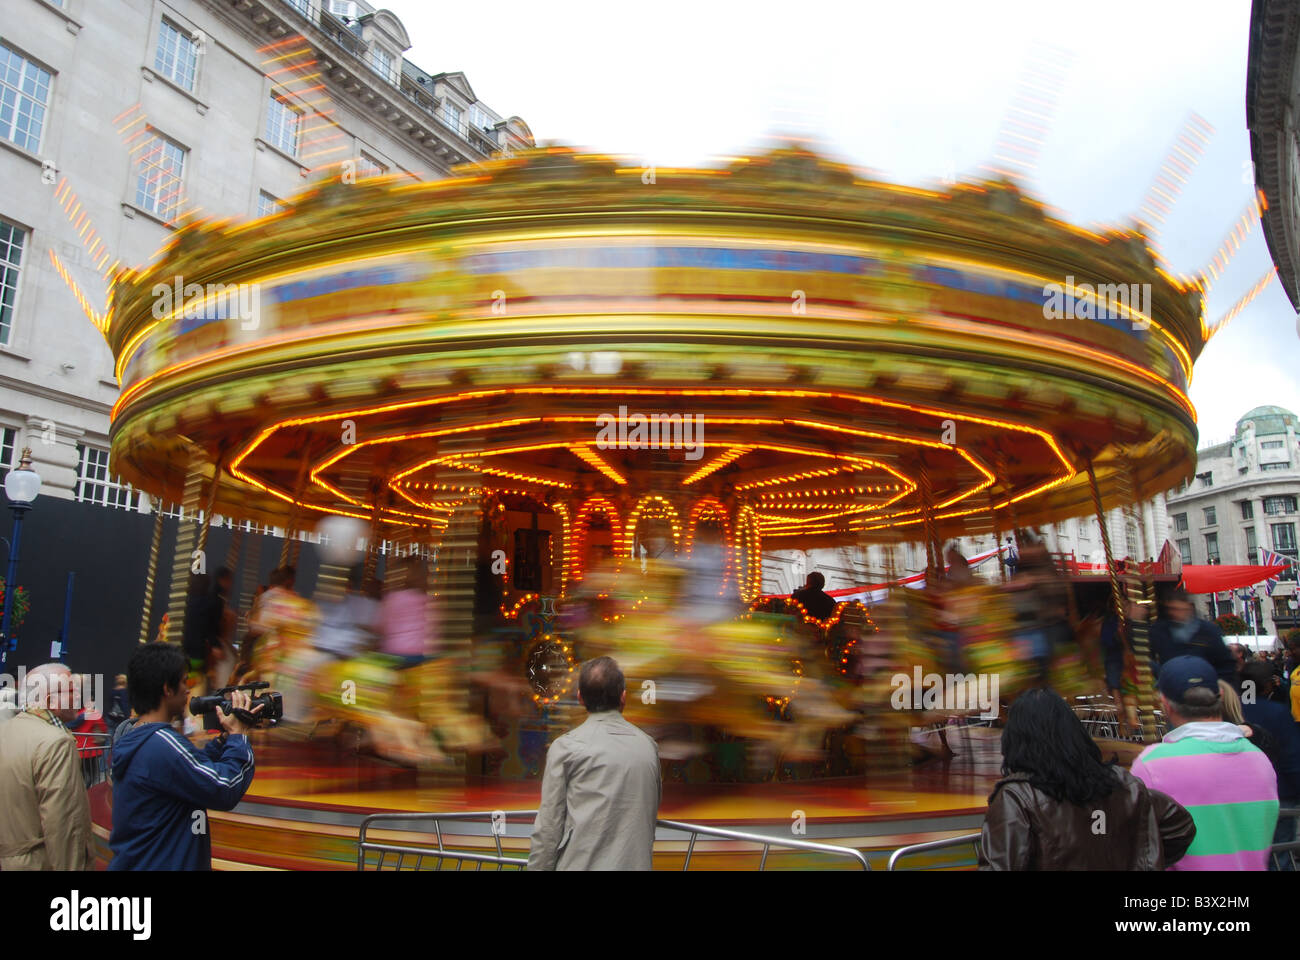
x,y
593,398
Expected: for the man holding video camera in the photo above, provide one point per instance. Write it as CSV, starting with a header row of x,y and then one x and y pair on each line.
x,y
162,786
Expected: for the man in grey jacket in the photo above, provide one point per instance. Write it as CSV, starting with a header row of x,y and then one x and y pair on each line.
x,y
601,788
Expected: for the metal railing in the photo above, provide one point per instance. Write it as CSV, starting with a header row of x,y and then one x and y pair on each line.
x,y
695,831
911,849
95,750
1286,856
1100,717
499,818
1283,856
441,852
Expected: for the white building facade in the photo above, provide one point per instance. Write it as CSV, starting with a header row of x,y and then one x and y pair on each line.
x,y
1243,502
120,117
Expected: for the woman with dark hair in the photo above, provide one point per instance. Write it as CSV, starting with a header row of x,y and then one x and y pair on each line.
x,y
1059,807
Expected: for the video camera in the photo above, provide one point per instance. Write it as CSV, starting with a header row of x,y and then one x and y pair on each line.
x,y
272,704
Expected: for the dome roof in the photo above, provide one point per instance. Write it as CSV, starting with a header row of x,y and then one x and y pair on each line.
x,y
1267,420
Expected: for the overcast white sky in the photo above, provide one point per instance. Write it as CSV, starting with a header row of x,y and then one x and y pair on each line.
x,y
912,90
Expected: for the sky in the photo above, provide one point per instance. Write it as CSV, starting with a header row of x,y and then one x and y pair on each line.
x,y
917,92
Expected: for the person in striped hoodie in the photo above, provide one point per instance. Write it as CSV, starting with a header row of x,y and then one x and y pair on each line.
x,y
1208,766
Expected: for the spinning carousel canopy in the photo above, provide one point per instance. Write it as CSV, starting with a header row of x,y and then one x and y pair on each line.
x,y
837,352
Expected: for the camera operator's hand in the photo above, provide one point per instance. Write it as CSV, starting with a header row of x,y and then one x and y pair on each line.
x,y
239,700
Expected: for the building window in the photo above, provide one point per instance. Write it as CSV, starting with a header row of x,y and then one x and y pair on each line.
x,y
1272,444
302,6
1282,608
1278,506
177,511
1211,516
1247,510
94,485
158,185
24,92
381,61
177,57
451,114
282,123
1252,548
12,241
1276,466
1284,543
483,120
267,204
1180,522
1207,479
1211,548
230,523
1185,551
1131,540
8,442
1284,537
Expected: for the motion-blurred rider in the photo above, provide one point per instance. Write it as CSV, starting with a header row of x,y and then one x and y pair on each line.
x,y
816,600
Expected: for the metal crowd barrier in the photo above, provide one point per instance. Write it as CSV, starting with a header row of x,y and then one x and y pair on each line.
x,y
1286,856
695,831
1283,856
1099,715
902,852
441,853
95,750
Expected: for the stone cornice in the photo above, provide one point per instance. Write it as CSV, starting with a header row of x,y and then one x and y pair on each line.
x,y
350,80
1290,479
1274,41
59,396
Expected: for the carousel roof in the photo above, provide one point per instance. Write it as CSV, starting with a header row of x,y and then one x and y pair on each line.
x,y
837,351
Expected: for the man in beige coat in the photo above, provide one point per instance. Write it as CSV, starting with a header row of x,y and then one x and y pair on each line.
x,y
44,812
601,788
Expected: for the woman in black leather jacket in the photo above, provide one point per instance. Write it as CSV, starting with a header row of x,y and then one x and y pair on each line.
x,y
1059,807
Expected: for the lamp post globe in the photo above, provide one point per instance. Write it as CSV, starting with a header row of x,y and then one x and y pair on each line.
x,y
23,483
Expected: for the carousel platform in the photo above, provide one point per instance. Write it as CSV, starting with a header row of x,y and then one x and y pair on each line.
x,y
308,801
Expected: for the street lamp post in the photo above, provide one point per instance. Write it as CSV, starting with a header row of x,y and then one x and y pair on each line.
x,y
21,487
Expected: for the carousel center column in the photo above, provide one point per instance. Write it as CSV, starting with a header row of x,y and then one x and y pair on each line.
x,y
445,699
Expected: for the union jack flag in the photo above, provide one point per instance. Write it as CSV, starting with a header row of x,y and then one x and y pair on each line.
x,y
1272,559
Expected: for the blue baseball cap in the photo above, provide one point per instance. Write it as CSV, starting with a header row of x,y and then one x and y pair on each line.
x,y
1181,674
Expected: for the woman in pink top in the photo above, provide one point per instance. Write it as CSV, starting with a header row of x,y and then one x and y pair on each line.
x,y
406,617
